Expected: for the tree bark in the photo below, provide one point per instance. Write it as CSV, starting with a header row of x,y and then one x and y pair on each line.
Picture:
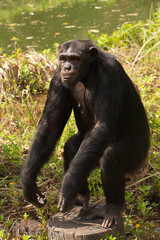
x,y
73,225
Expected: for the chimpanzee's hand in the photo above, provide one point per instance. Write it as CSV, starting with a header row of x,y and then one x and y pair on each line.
x,y
65,204
32,193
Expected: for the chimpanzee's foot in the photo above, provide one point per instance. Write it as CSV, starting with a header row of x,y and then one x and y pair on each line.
x,y
110,213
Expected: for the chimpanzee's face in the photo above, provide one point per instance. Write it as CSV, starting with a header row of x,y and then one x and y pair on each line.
x,y
74,59
71,65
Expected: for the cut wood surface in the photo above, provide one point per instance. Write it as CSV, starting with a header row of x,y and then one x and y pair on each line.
x,y
73,225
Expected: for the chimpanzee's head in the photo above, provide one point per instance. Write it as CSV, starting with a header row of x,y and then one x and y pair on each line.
x,y
75,57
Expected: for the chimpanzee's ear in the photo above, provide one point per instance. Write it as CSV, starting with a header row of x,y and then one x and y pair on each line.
x,y
93,53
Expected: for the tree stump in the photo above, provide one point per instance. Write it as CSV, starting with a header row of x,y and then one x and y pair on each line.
x,y
73,225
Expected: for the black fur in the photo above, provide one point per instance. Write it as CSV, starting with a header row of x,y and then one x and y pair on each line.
x,y
113,130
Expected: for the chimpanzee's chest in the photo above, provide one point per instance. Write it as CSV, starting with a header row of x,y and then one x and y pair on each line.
x,y
84,118
83,107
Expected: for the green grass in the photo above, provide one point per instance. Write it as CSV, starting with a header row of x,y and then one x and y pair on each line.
x,y
137,47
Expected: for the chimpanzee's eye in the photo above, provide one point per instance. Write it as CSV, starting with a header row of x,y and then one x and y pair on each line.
x,y
75,59
63,59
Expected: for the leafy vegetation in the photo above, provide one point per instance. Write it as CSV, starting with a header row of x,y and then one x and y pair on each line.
x,y
24,82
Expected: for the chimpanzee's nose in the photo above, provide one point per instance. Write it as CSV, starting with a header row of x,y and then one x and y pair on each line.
x,y
67,67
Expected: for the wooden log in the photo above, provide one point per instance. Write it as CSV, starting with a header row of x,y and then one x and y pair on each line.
x,y
73,225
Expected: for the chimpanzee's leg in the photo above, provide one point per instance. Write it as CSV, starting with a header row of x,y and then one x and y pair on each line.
x,y
70,149
125,156
113,180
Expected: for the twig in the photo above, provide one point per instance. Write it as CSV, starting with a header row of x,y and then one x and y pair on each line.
x,y
143,179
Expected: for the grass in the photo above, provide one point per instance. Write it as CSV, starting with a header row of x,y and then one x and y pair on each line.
x,y
25,82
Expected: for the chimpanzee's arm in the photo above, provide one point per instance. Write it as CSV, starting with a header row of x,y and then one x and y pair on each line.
x,y
55,115
90,151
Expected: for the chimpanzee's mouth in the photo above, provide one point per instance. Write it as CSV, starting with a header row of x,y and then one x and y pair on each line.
x,y
68,75
67,78
68,82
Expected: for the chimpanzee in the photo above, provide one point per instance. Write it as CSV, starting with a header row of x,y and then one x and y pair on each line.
x,y
113,130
